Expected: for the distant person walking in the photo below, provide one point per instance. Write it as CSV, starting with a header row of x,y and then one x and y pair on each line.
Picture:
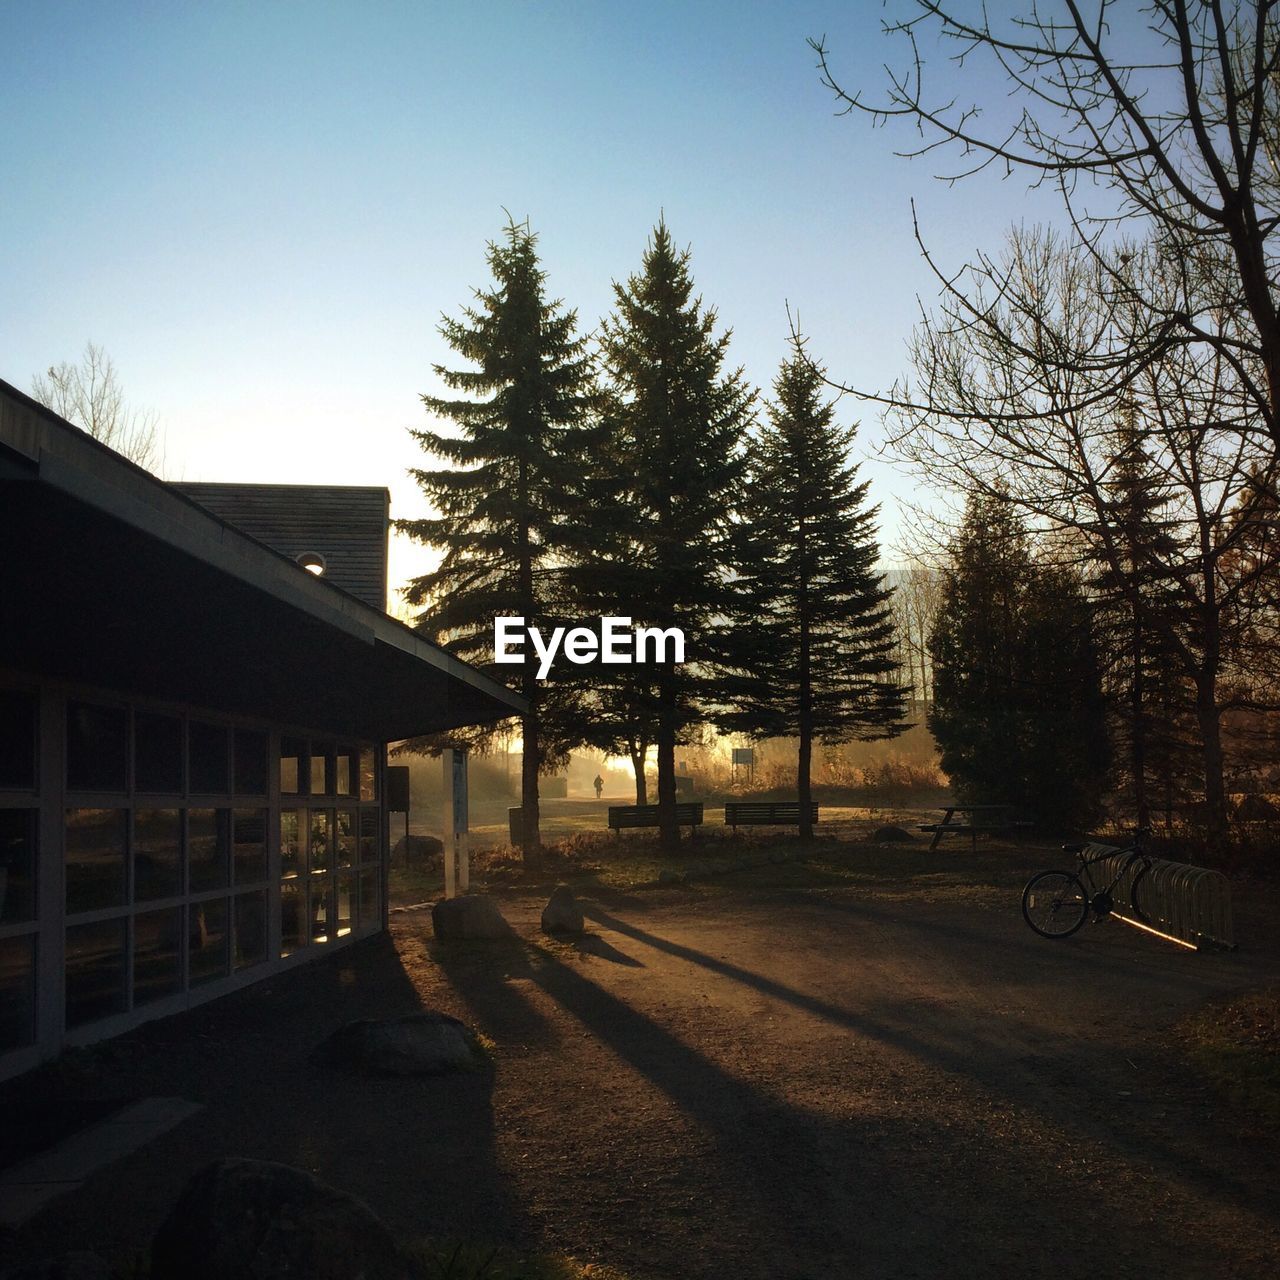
x,y
599,786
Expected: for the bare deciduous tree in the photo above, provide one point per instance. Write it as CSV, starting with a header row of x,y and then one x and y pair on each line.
x,y
1006,418
917,596
1168,118
89,395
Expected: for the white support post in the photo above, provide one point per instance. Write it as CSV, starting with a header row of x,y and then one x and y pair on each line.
x,y
457,862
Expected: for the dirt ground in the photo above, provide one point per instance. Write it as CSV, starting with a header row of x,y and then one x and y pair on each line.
x,y
793,1073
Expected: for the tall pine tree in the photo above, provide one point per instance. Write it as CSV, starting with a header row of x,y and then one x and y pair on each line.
x,y
505,498
817,639
1018,712
679,420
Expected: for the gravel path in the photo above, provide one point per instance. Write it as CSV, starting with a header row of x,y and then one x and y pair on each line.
x,y
764,1084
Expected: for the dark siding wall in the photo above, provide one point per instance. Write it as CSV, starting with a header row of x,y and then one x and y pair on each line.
x,y
344,524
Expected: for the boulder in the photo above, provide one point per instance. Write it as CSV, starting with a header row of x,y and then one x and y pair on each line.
x,y
562,913
892,835
70,1266
417,1045
1257,808
240,1218
668,876
416,851
473,915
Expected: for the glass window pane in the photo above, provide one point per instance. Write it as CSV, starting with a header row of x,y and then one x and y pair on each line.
x,y
290,842
370,912
157,957
17,992
97,747
209,939
321,769
370,822
321,837
157,753
293,766
346,837
95,858
320,907
207,745
251,929
17,865
157,846
345,901
208,847
343,766
17,740
291,908
249,852
368,775
251,762
95,971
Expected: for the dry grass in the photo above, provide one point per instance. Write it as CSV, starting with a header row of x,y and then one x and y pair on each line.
x,y
1237,1045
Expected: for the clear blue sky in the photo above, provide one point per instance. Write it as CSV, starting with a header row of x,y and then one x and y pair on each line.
x,y
261,209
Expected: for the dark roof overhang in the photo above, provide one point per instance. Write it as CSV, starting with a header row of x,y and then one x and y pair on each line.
x,y
109,577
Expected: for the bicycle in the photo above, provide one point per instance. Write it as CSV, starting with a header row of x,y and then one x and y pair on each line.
x,y
1057,903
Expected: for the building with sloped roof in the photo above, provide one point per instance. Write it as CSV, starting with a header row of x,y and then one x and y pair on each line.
x,y
197,686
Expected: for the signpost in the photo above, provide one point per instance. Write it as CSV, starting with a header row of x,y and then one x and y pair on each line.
x,y
457,862
744,756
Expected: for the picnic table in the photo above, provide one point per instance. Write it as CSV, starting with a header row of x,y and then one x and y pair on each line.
x,y
985,818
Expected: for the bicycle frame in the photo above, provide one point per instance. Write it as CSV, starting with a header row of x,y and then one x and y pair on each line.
x,y
1133,855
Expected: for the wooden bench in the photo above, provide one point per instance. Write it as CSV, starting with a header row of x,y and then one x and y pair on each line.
x,y
765,813
688,814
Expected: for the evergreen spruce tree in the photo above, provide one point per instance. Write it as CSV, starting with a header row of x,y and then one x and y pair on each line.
x,y
1131,585
818,645
1018,712
505,500
678,419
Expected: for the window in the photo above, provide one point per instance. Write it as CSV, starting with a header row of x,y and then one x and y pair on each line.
x,y
157,854
157,955
95,971
17,992
251,929
251,762
368,774
95,867
290,842
208,745
157,753
208,848
291,932
321,769
97,748
346,837
17,740
17,865
249,847
344,763
293,766
209,941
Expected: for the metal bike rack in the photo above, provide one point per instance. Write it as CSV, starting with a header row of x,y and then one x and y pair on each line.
x,y
1186,904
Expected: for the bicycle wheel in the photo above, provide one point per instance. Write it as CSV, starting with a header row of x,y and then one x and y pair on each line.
x,y
1055,904
1135,893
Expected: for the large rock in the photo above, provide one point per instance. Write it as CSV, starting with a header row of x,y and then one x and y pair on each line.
x,y
238,1219
892,835
70,1266
416,851
471,916
420,1044
562,913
